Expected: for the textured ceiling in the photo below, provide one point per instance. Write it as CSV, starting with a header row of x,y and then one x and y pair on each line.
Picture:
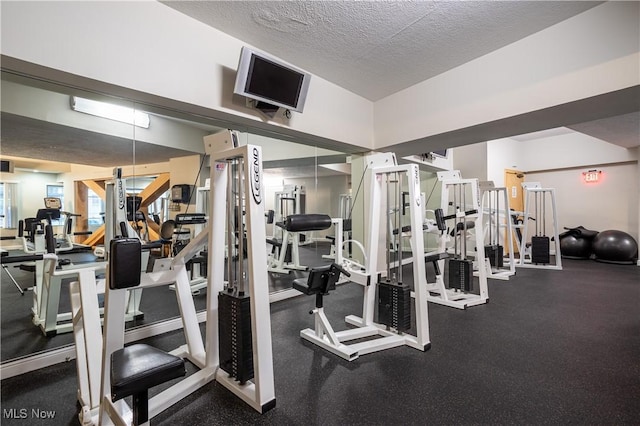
x,y
377,48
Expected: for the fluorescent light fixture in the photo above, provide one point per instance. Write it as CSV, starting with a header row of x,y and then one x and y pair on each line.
x,y
110,111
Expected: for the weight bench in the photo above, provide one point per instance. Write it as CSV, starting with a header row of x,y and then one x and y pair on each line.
x,y
137,368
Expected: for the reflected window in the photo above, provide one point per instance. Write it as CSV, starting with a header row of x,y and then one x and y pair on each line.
x,y
2,204
8,205
95,209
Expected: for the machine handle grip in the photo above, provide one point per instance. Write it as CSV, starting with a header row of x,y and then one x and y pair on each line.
x,y
405,194
123,229
440,220
453,216
151,245
50,239
341,269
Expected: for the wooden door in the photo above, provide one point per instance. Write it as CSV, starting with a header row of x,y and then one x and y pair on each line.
x,y
513,182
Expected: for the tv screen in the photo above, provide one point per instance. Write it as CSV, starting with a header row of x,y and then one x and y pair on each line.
x,y
439,153
267,79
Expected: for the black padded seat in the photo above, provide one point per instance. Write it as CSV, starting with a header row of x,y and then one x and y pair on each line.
x,y
137,368
316,283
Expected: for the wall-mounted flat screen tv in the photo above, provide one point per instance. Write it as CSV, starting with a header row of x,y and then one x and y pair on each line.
x,y
442,153
267,79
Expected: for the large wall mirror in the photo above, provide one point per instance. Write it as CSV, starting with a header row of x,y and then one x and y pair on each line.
x,y
59,145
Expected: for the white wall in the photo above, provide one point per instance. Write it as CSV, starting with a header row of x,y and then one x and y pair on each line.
x,y
502,154
556,149
471,160
571,150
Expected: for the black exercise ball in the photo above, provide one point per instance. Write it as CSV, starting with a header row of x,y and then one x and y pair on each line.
x,y
573,247
615,247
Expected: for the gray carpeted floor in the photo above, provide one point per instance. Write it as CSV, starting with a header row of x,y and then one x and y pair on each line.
x,y
551,347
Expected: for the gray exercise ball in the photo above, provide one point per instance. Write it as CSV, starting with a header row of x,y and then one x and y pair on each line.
x,y
615,247
573,247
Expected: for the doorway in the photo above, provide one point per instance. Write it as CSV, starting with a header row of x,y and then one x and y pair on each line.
x,y
513,180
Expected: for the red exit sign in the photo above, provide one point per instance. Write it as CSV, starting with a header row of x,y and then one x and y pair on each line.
x,y
592,176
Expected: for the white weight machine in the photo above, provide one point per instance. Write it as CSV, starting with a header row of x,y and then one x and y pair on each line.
x,y
460,202
293,228
542,252
341,227
290,200
31,234
47,316
236,350
394,296
497,232
50,271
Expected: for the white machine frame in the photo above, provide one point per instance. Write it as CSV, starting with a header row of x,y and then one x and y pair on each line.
x,y
47,316
533,189
498,218
276,262
438,293
258,393
92,354
380,336
289,193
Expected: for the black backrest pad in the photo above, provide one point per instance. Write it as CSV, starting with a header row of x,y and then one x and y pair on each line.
x,y
307,222
124,263
318,279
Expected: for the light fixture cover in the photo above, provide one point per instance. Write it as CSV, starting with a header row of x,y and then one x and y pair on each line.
x,y
110,111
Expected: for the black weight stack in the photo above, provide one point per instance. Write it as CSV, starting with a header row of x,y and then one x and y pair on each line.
x,y
540,250
234,327
394,305
495,254
461,274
